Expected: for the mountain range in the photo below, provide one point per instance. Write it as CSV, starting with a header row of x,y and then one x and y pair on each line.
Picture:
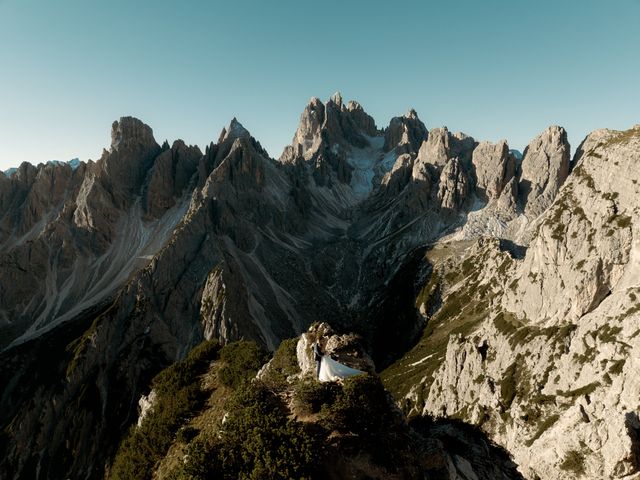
x,y
491,287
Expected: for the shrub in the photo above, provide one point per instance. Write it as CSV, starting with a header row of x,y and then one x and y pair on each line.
x,y
543,426
573,462
617,366
178,397
283,364
578,392
242,360
508,385
258,441
184,372
310,395
362,407
186,434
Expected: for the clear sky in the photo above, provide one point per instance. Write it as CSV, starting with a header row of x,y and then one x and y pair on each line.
x,y
493,69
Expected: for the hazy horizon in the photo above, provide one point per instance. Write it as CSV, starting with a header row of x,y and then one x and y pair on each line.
x,y
492,70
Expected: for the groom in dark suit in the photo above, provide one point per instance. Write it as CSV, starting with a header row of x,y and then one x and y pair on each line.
x,y
317,355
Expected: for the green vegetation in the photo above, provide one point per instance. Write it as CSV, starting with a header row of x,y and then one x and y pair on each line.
x,y
554,221
573,462
578,392
241,361
178,397
543,426
261,440
283,364
257,441
621,221
215,419
584,176
518,333
479,380
608,334
617,366
310,395
508,385
361,407
623,137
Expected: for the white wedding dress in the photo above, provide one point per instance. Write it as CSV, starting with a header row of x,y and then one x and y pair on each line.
x,y
330,370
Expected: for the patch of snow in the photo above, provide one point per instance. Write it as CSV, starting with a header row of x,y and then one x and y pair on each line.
x,y
422,360
74,163
389,160
516,153
367,162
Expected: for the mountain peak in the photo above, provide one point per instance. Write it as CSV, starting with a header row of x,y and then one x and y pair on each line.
x,y
407,130
233,131
337,99
130,129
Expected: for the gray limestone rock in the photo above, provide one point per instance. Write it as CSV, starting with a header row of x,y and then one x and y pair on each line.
x,y
454,188
361,119
544,168
406,133
494,167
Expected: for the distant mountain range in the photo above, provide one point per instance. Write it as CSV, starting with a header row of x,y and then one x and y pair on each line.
x,y
73,163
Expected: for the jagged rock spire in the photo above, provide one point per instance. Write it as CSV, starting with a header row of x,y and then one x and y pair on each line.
x,y
545,167
129,130
494,167
233,131
337,99
408,131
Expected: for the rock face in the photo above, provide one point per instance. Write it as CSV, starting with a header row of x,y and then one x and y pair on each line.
x,y
441,146
454,188
72,237
173,171
346,348
520,277
494,167
406,132
545,167
547,375
361,119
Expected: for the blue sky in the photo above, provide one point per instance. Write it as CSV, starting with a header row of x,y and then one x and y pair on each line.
x,y
493,69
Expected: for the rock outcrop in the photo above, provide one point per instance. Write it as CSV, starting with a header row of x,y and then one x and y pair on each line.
x,y
346,348
454,188
405,133
441,145
172,172
543,337
544,168
494,167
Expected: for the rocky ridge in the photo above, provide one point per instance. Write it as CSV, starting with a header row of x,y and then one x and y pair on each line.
x,y
548,375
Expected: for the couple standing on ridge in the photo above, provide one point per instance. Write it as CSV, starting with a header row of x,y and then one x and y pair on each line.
x,y
328,369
